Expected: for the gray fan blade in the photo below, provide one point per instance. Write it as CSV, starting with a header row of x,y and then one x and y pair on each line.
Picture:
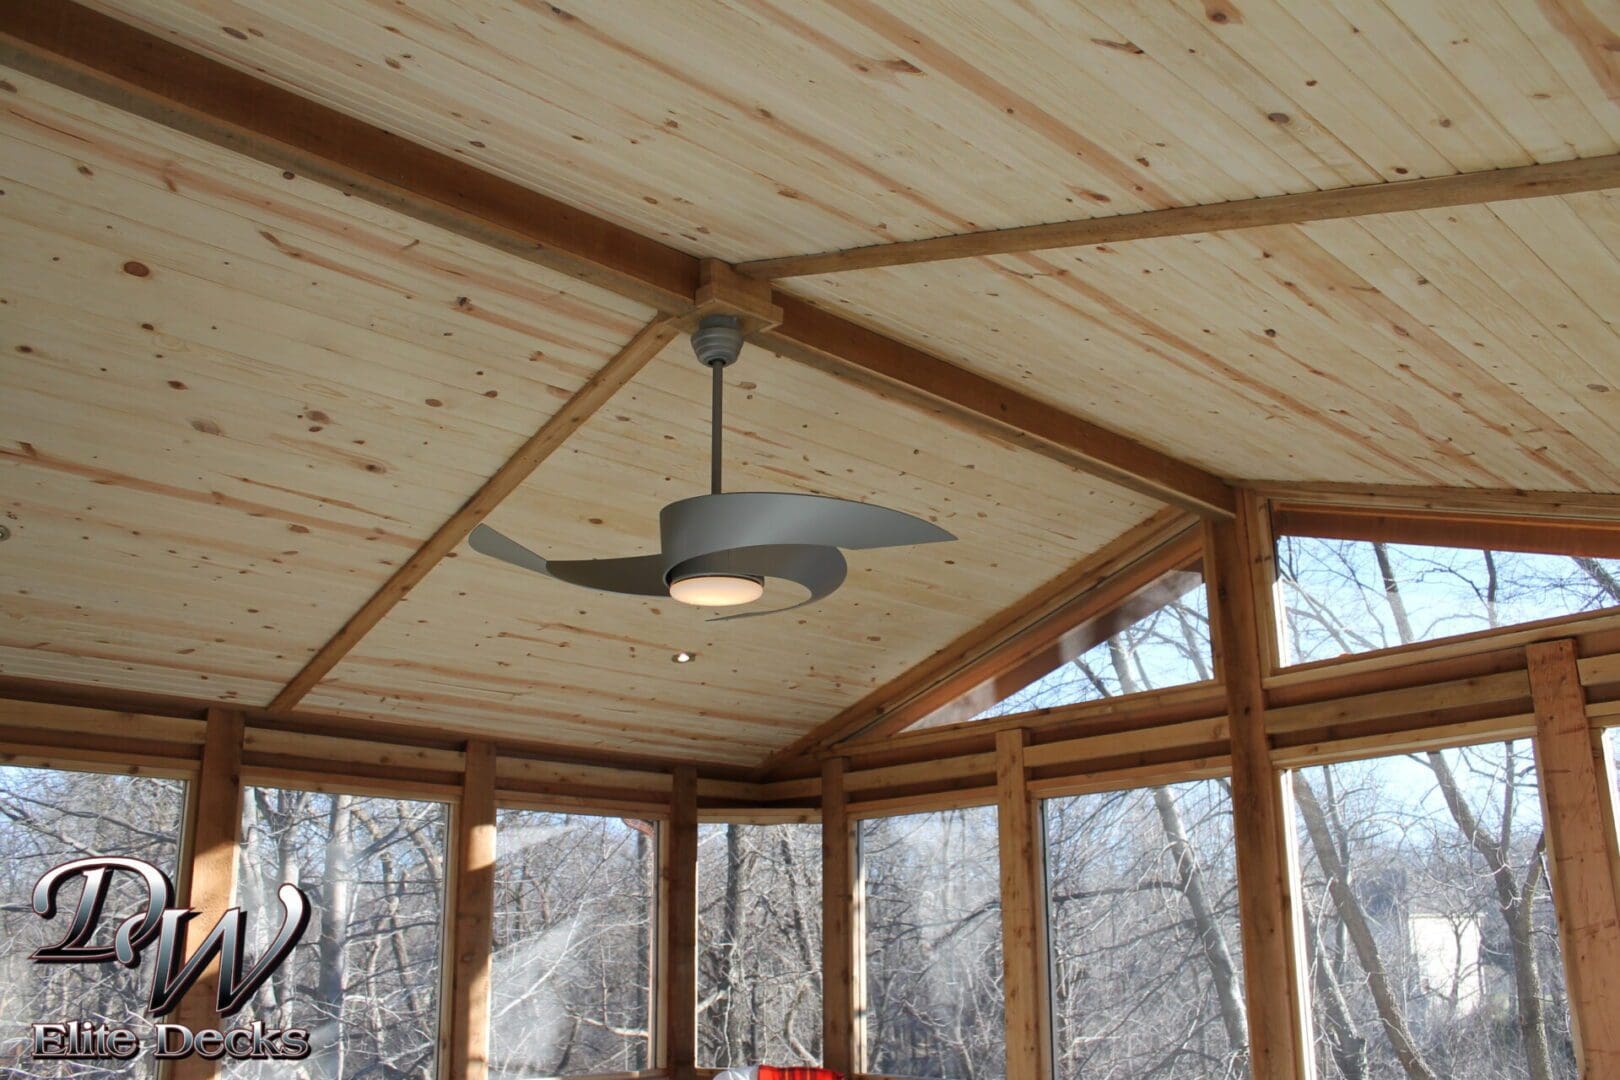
x,y
486,541
640,575
818,568
749,519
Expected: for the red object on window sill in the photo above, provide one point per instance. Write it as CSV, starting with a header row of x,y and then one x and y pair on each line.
x,y
798,1072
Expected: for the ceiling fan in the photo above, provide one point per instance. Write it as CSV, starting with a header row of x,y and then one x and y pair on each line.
x,y
718,549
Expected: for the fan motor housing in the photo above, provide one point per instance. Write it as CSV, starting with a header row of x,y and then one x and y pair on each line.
x,y
718,340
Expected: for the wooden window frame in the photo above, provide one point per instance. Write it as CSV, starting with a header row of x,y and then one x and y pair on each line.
x,y
1274,519
1135,592
658,944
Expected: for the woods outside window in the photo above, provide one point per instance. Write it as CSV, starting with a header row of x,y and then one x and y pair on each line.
x,y
1430,934
49,817
572,971
934,1003
365,979
759,944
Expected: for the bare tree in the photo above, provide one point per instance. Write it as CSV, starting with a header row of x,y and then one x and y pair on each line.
x,y
49,817
365,978
933,945
759,945
1430,921
575,899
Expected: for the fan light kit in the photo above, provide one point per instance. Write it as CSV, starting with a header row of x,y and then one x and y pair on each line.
x,y
719,548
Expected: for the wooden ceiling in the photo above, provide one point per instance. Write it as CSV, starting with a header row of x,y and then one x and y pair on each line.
x,y
235,403
482,643
1471,346
751,128
237,400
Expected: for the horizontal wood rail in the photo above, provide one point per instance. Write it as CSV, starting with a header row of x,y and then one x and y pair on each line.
x,y
1538,505
1462,189
1382,713
1559,536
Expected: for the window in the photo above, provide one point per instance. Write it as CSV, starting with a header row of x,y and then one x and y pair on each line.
x,y
759,945
1611,746
933,945
575,907
1431,869
48,817
1143,929
1157,637
1342,596
365,978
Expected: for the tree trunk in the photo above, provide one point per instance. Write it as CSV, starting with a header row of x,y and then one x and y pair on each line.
x,y
1361,937
1515,904
1348,1047
1527,993
1392,593
1190,876
327,1039
735,1030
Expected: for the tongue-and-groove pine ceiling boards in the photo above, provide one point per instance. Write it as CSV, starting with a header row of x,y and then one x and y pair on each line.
x,y
236,399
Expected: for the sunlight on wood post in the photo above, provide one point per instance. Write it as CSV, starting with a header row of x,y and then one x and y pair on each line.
x,y
679,972
1023,947
473,942
1279,1024
216,827
840,1024
1574,789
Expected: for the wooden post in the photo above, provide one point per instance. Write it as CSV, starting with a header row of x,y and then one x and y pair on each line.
x,y
1023,945
1574,789
840,927
1279,1023
679,970
472,942
216,832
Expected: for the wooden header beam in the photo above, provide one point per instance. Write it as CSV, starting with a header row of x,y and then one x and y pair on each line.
x,y
1028,625
1405,498
822,339
1496,532
1463,189
519,467
109,61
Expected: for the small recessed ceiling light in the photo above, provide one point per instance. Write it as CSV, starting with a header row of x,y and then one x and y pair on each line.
x,y
683,657
5,533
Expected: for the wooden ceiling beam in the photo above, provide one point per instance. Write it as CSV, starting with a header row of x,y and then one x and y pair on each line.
x,y
819,338
110,61
959,666
1576,505
596,392
1462,189
1558,536
101,58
